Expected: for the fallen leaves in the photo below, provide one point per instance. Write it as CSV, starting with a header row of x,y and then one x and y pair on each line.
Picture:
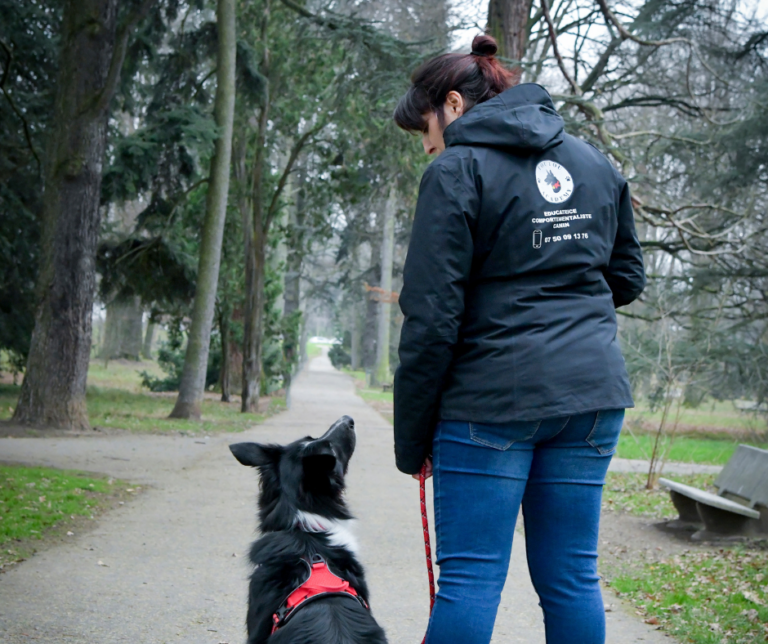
x,y
627,492
752,597
700,595
751,615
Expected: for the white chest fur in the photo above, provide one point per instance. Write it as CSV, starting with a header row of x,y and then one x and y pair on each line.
x,y
339,532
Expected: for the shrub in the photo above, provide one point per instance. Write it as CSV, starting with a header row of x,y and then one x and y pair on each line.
x,y
339,357
170,357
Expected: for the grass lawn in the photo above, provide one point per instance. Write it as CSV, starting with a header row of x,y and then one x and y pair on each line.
x,y
709,416
115,400
121,374
38,502
120,409
627,493
704,597
714,449
370,394
314,350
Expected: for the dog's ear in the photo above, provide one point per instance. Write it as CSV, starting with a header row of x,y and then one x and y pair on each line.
x,y
320,459
318,448
255,455
319,455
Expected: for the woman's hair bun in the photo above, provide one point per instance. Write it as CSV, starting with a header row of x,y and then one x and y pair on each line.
x,y
484,45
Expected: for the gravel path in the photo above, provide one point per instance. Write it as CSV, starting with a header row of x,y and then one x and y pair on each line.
x,y
174,566
631,465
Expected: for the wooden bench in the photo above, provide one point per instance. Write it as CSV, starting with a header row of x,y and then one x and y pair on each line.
x,y
740,507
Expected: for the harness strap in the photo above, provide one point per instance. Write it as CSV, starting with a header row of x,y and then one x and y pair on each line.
x,y
321,582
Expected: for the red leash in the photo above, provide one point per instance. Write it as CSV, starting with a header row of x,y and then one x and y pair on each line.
x,y
427,542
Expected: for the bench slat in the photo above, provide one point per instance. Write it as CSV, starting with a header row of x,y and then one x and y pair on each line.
x,y
746,475
709,499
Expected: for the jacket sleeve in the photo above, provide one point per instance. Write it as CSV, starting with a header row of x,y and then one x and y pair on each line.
x,y
625,273
435,276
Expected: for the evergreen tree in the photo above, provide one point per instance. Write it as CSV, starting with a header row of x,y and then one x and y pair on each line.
x,y
94,41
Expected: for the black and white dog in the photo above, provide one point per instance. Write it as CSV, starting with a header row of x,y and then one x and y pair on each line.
x,y
307,586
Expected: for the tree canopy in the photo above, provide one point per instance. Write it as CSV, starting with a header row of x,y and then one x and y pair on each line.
x,y
673,93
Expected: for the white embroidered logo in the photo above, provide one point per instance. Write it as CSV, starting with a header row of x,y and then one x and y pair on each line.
x,y
553,181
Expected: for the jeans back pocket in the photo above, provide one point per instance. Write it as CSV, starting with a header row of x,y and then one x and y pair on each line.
x,y
502,437
604,436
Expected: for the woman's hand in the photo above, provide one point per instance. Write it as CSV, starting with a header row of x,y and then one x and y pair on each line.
x,y
427,470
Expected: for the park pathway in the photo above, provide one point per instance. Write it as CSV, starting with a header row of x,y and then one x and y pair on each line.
x,y
170,566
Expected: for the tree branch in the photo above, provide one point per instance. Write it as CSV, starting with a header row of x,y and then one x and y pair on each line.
x,y
295,151
600,65
684,230
660,135
306,13
597,118
16,110
340,22
626,35
553,37
101,101
689,109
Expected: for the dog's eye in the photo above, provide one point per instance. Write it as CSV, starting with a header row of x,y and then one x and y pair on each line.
x,y
320,463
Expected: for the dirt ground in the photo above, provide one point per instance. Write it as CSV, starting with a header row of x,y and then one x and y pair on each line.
x,y
629,543
9,430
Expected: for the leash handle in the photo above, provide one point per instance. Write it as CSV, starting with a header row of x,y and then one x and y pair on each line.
x,y
427,540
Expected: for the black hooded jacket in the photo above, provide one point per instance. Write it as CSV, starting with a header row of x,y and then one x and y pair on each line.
x,y
523,244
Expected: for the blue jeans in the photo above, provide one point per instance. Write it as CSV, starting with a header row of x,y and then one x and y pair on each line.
x,y
482,473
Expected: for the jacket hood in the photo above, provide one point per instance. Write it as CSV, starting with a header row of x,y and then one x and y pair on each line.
x,y
522,117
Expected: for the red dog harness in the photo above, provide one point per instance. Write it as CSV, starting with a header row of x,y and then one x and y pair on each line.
x,y
320,583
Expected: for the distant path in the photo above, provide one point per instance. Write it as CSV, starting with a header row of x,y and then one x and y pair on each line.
x,y
674,467
170,573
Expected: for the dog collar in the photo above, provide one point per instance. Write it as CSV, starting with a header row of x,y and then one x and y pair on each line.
x,y
321,582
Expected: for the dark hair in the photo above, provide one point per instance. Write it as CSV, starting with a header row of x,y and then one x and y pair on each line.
x,y
477,76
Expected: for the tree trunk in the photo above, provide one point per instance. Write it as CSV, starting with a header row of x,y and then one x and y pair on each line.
x,y
132,331
255,258
303,344
149,339
111,344
369,333
292,282
226,369
254,234
123,330
371,311
381,370
508,24
53,391
198,343
357,337
253,309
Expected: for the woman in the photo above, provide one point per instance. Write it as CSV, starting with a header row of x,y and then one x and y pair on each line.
x,y
511,387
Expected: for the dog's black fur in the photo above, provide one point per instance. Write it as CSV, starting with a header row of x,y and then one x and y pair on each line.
x,y
306,475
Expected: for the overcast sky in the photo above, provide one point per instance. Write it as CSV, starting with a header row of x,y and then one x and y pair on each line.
x,y
474,13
